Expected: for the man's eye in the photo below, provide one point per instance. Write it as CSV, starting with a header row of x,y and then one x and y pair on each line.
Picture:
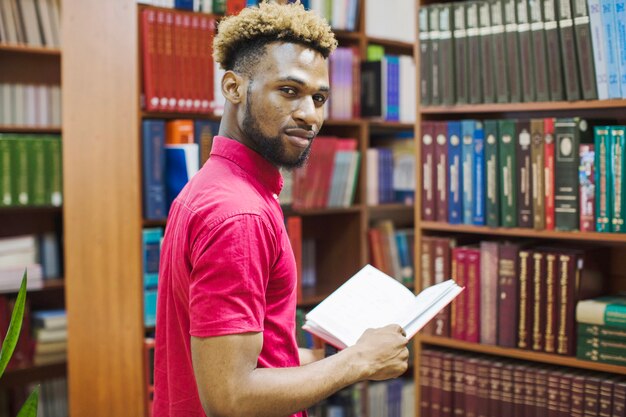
x,y
288,90
319,98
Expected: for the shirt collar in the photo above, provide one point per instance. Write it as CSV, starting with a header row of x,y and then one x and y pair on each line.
x,y
250,161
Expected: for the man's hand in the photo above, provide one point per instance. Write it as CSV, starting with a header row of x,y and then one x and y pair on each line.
x,y
383,352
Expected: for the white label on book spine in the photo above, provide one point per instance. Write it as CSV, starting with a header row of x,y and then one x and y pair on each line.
x,y
472,32
536,26
550,25
581,20
460,33
497,29
511,27
566,23
523,27
445,34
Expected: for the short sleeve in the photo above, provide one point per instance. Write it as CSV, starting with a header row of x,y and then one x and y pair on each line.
x,y
230,268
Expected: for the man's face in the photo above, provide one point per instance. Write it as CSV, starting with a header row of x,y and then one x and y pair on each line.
x,y
284,103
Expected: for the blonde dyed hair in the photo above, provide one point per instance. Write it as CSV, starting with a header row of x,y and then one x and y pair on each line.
x,y
270,22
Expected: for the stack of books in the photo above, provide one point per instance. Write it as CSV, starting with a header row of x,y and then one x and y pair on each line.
x,y
18,254
50,336
602,329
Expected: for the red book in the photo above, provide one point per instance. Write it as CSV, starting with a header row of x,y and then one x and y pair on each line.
x,y
441,171
442,271
149,56
541,391
565,394
483,387
233,7
178,67
591,405
552,393
495,394
472,290
506,389
187,86
446,384
376,251
519,390
294,231
458,385
471,387
436,358
459,267
530,400
207,28
425,382
428,170
619,399
488,292
548,131
577,398
507,294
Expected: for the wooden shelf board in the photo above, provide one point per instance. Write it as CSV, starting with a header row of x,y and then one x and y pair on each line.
x,y
525,107
390,207
23,376
382,124
31,50
519,232
47,285
173,115
343,122
31,209
323,211
346,35
527,355
391,43
29,129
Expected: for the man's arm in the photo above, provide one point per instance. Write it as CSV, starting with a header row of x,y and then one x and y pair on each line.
x,y
230,384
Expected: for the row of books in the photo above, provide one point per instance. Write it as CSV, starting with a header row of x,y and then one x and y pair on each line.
x,y
521,50
228,7
178,66
52,400
304,251
33,105
392,250
602,329
30,170
390,172
454,383
393,398
151,255
536,173
31,22
172,152
330,176
39,255
49,336
518,295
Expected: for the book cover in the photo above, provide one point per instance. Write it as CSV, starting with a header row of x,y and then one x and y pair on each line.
x,y
524,175
455,197
553,48
618,171
603,178
548,131
487,56
587,188
537,157
441,172
584,50
499,51
461,76
508,173
492,187
474,54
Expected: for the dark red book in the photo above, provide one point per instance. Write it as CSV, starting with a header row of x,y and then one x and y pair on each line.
x,y
425,382
541,391
428,170
442,261
605,399
538,300
458,385
483,387
446,384
619,399
441,171
507,383
548,143
577,399
565,393
495,393
507,294
294,231
436,374
458,321
553,389
488,292
524,324
472,291
569,271
552,291
519,390
530,391
428,273
591,404
233,7
471,387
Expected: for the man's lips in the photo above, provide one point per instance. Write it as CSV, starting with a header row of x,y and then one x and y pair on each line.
x,y
301,133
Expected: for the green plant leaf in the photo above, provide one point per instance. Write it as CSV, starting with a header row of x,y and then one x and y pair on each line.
x,y
8,345
29,409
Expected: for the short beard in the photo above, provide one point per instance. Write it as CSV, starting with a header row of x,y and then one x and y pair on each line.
x,y
270,148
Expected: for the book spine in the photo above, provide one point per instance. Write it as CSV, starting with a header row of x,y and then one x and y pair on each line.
x,y
478,176
446,54
474,58
540,68
153,132
483,387
586,188
539,291
442,264
512,51
584,50
6,197
610,46
446,385
569,275
427,273
524,325
458,386
548,130
470,370
441,171
488,292
455,199
425,382
472,306
530,388
619,399
537,151
467,150
620,28
603,178
618,142
425,55
606,314
507,405
487,61
577,399
551,315
553,394
541,392
460,54
594,330
507,295
508,173
565,393
599,54
499,51
526,51
553,48
605,398
428,171
436,58
566,174
524,192
492,208
568,50
436,359
459,275
495,392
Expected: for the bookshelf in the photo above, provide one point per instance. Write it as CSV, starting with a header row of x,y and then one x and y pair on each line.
x,y
613,243
22,64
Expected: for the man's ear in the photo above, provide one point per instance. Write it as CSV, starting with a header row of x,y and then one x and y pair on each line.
x,y
233,87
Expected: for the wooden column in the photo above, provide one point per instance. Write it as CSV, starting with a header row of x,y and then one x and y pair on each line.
x,y
102,207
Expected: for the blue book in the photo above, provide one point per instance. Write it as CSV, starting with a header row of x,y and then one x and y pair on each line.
x,y
181,164
597,42
612,54
183,4
467,161
151,251
153,144
203,133
478,177
393,88
455,174
149,307
620,21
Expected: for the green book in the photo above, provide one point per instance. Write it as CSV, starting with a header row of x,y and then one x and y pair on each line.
x,y
54,168
601,343
375,52
603,178
604,332
6,197
19,171
491,173
37,170
604,355
618,144
507,172
603,311
219,6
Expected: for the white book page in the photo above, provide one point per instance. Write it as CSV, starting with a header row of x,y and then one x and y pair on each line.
x,y
370,299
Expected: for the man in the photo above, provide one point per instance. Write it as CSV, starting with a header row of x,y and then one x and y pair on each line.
x,y
225,339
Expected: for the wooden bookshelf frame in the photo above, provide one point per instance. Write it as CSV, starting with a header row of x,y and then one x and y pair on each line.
x,y
27,49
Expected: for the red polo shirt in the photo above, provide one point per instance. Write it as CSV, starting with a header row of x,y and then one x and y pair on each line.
x,y
226,268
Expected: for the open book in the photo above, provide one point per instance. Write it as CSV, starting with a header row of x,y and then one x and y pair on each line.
x,y
372,299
